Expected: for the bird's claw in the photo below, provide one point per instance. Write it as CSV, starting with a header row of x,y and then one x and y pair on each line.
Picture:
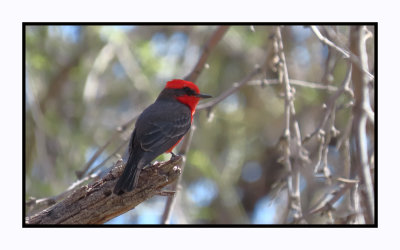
x,y
174,157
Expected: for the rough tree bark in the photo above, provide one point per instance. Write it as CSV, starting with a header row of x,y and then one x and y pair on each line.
x,y
95,203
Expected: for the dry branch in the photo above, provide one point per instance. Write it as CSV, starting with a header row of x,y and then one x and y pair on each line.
x,y
301,83
96,204
362,104
331,104
347,54
327,204
212,42
291,146
235,87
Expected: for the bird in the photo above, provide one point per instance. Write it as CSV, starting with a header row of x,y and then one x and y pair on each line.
x,y
158,129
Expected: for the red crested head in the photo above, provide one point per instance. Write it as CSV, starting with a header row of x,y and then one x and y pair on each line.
x,y
180,84
186,92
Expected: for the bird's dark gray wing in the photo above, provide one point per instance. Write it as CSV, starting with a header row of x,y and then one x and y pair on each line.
x,y
160,131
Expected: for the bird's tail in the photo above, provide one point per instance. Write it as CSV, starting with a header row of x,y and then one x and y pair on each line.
x,y
129,178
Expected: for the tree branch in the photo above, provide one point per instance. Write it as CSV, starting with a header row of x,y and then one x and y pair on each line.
x,y
361,95
347,54
212,42
229,91
331,104
327,204
291,147
301,83
96,204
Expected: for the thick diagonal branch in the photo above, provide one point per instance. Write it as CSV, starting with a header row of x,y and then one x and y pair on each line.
x,y
96,204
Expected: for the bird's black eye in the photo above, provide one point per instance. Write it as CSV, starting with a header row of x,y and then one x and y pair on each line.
x,y
189,91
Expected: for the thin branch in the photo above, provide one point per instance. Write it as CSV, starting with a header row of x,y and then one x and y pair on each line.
x,y
300,83
287,144
330,63
324,139
230,91
328,42
355,59
326,205
212,42
347,54
331,104
344,180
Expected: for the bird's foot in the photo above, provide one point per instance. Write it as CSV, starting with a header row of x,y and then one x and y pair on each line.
x,y
174,157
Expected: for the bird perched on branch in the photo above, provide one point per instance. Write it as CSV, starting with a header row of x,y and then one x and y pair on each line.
x,y
159,128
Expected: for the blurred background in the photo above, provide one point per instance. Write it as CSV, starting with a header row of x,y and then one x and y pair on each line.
x,y
84,82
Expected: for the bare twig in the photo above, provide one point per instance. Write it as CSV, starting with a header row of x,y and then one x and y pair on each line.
x,y
326,205
361,94
331,104
300,83
328,42
212,42
330,62
325,137
287,144
229,91
344,180
354,59
347,54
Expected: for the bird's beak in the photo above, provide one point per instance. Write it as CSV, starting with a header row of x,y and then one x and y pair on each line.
x,y
203,96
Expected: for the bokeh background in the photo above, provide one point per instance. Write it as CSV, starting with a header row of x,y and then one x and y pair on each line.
x,y
83,82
